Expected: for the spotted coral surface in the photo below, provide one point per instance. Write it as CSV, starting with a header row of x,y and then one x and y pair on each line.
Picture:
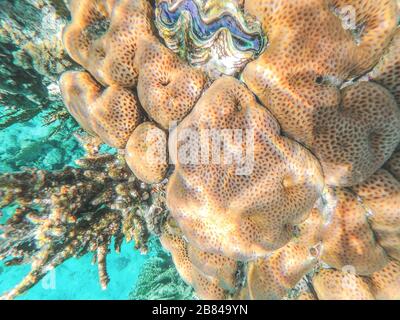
x,y
103,37
112,113
146,153
239,207
300,77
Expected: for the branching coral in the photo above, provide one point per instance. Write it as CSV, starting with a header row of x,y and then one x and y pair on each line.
x,y
75,211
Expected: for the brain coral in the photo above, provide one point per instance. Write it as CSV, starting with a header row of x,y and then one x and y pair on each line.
x,y
219,210
300,78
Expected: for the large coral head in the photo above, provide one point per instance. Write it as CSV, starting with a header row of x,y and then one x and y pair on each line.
x,y
239,187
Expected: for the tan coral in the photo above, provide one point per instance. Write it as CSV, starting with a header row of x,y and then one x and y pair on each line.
x,y
172,241
348,240
306,296
371,23
357,138
207,288
229,208
103,37
331,284
241,207
215,266
272,278
168,88
116,43
381,194
310,231
393,165
300,75
112,113
390,240
385,284
146,153
387,72
313,35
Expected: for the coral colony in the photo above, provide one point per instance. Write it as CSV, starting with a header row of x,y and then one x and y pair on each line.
x,y
257,139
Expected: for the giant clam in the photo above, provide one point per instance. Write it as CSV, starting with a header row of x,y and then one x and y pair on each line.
x,y
215,35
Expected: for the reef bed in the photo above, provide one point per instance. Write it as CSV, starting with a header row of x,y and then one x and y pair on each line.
x,y
250,147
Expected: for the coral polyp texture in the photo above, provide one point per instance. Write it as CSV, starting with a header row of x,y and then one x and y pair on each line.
x,y
112,113
146,153
265,134
168,88
245,203
301,78
104,37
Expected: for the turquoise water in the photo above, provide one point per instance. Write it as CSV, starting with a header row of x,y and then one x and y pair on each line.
x,y
29,145
77,279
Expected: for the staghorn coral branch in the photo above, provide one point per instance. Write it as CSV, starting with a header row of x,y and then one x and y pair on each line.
x,y
74,211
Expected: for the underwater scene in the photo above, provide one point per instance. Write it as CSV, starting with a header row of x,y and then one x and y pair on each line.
x,y
199,150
